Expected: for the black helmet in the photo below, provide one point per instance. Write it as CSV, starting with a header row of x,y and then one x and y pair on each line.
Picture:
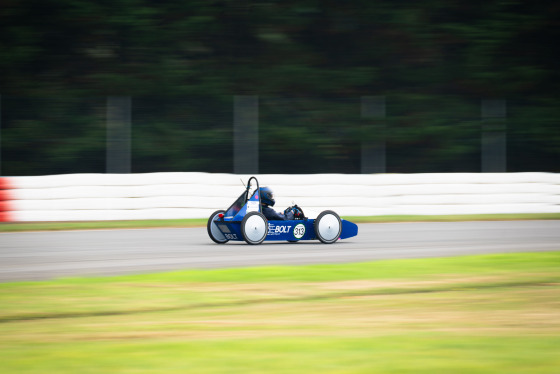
x,y
267,196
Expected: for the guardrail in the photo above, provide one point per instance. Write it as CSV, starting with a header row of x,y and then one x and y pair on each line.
x,y
85,197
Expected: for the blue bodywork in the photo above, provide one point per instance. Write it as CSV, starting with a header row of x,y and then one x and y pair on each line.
x,y
294,230
291,230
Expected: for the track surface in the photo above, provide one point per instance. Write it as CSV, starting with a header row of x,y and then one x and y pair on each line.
x,y
46,255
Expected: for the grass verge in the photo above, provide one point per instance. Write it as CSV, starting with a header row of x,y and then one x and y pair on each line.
x,y
198,222
472,314
97,225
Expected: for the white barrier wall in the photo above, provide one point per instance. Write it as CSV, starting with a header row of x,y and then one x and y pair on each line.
x,y
77,197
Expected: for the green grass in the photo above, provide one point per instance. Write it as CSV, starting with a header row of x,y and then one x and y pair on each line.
x,y
95,225
473,314
92,225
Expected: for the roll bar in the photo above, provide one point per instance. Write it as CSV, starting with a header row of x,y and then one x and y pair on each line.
x,y
258,188
249,184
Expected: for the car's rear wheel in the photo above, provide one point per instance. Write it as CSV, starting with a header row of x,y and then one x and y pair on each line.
x,y
328,227
254,228
213,231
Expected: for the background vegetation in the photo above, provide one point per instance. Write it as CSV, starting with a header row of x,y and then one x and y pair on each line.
x,y
309,61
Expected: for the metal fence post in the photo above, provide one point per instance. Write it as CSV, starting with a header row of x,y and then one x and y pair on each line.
x,y
493,157
373,151
118,134
245,134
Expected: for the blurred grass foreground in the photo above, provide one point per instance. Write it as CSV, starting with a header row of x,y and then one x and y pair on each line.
x,y
476,314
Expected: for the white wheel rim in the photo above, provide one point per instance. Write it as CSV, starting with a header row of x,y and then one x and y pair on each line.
x,y
255,228
216,233
329,227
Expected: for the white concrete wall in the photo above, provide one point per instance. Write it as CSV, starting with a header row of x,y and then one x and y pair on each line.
x,y
75,197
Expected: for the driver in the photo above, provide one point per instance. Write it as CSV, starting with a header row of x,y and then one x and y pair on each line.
x,y
267,200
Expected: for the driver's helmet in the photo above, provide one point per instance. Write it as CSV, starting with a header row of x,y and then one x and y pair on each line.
x,y
267,196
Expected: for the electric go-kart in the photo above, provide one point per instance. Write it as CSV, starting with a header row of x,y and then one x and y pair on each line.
x,y
244,220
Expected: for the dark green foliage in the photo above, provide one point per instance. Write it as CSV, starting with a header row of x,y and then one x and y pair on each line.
x,y
309,62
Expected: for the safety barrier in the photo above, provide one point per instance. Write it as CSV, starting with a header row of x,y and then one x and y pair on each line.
x,y
85,197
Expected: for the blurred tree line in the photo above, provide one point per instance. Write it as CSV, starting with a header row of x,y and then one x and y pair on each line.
x,y
309,62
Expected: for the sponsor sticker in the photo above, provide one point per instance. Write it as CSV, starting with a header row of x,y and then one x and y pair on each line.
x,y
278,229
252,206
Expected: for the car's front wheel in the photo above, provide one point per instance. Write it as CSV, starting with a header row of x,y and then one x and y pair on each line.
x,y
328,227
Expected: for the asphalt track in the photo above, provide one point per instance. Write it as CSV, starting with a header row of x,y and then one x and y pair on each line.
x,y
47,255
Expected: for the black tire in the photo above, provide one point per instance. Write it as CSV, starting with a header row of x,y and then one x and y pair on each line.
x,y
328,227
213,231
254,228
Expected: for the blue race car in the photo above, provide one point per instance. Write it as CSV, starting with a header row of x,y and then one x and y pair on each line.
x,y
244,220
